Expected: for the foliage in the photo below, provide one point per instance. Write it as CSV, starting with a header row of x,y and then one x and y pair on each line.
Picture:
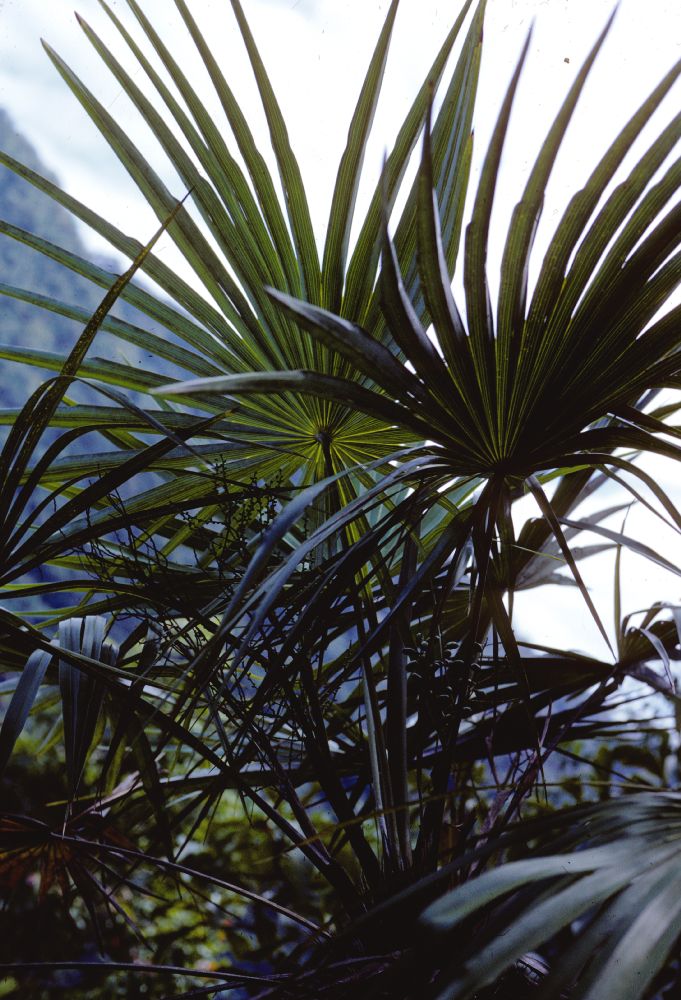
x,y
291,698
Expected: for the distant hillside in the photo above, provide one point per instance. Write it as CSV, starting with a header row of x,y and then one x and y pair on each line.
x,y
27,326
22,324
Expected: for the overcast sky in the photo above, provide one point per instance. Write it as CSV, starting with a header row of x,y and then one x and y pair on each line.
x,y
316,52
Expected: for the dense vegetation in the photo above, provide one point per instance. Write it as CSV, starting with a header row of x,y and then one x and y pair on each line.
x,y
269,729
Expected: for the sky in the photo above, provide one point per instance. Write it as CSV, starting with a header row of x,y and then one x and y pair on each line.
x,y
316,52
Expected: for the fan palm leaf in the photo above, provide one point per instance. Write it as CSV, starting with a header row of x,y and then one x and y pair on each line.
x,y
552,379
622,883
246,239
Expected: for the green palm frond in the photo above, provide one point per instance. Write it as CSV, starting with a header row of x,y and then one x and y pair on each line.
x,y
617,873
550,380
242,237
522,396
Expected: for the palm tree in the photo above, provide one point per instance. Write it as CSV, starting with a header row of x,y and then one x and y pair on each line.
x,y
320,573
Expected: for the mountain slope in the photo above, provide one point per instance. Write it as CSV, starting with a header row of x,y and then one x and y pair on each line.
x,y
24,325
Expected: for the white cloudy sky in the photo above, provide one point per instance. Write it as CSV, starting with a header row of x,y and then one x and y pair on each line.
x,y
316,52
